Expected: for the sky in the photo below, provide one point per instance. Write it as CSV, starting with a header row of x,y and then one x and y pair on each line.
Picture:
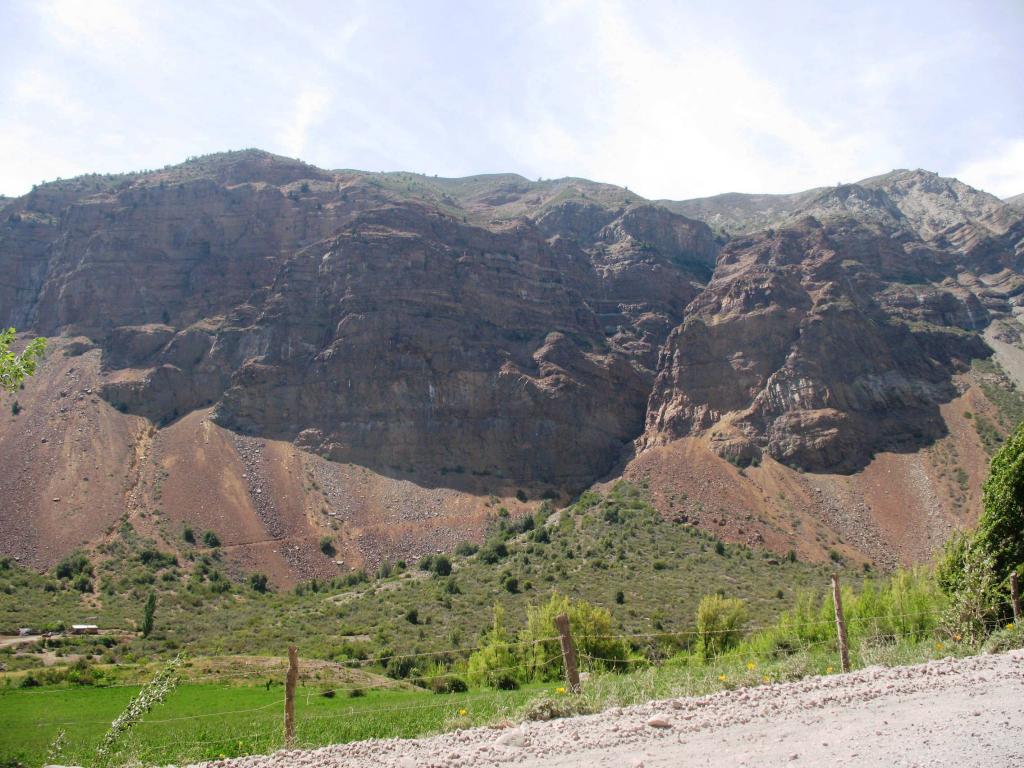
x,y
672,99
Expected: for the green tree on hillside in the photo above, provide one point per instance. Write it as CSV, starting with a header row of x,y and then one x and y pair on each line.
x,y
15,368
996,547
148,614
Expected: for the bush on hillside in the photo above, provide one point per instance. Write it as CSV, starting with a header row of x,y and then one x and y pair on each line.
x,y
720,623
73,565
496,664
592,631
977,567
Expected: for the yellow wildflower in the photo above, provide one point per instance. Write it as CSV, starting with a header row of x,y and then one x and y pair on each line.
x,y
560,690
828,670
722,678
766,679
463,713
1010,625
751,666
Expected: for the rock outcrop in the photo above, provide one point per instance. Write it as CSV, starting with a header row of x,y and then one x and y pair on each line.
x,y
367,320
838,333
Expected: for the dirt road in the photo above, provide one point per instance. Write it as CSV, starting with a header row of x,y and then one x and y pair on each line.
x,y
961,713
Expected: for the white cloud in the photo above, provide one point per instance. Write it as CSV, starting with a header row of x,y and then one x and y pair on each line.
x,y
691,119
98,28
37,88
311,104
1000,172
672,99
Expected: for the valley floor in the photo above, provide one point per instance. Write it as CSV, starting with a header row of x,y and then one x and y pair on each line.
x,y
963,712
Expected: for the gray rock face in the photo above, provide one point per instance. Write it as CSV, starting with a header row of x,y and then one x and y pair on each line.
x,y
838,334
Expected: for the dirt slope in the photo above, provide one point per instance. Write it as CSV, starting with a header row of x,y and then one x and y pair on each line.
x,y
950,712
77,469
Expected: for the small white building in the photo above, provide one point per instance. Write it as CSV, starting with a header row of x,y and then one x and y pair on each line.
x,y
84,629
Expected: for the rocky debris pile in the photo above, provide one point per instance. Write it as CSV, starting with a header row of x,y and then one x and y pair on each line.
x,y
250,451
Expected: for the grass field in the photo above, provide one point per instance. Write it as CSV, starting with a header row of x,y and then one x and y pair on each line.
x,y
30,720
200,722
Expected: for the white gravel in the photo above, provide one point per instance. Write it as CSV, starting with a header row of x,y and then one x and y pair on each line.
x,y
962,713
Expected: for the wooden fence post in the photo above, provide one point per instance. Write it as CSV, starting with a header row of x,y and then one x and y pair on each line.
x,y
1015,598
572,675
844,649
289,697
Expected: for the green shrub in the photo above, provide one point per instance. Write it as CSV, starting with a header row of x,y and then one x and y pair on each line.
x,y
973,604
154,558
493,551
327,546
73,565
720,623
593,632
496,664
258,582
211,539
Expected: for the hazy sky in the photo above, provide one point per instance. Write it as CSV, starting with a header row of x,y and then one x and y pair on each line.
x,y
671,99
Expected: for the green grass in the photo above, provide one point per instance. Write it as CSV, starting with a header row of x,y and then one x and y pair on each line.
x,y
31,719
200,722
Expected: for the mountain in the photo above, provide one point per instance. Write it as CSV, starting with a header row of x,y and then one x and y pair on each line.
x,y
1017,201
248,344
739,213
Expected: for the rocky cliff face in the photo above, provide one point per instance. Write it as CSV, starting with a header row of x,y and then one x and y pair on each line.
x,y
346,312
491,334
838,333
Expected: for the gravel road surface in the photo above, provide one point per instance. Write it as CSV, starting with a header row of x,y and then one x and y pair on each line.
x,y
963,713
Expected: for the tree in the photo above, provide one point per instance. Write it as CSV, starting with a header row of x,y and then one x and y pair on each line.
x,y
1000,532
147,614
15,368
997,543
